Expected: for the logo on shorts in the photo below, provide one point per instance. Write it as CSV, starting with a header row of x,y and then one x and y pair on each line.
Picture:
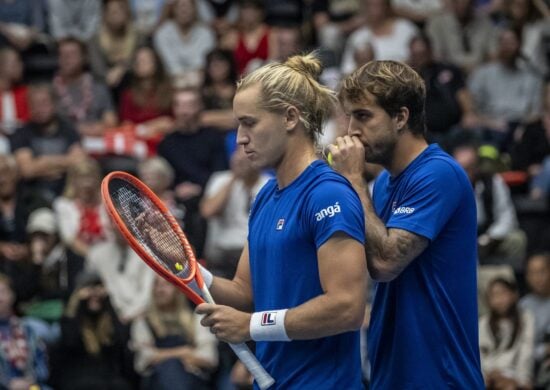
x,y
269,318
280,224
330,211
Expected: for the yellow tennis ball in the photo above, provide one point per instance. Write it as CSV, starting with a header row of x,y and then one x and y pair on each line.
x,y
330,161
179,267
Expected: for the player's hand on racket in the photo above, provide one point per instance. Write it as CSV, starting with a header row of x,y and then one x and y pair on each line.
x,y
348,157
228,324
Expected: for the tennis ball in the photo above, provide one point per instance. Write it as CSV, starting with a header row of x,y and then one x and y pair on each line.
x,y
330,161
179,267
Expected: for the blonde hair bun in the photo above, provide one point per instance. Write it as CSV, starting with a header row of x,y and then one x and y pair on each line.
x,y
309,65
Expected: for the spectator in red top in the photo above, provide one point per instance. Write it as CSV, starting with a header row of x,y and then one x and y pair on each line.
x,y
147,100
252,39
14,109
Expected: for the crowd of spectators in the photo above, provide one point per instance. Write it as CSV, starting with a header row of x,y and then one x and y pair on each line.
x,y
146,86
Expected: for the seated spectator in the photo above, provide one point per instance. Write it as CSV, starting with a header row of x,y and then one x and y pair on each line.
x,y
418,11
506,339
84,220
92,352
531,146
23,361
158,175
127,278
500,241
183,42
334,21
389,35
146,102
15,208
505,94
81,100
14,110
537,302
194,152
461,37
448,101
148,15
21,22
220,80
74,18
13,212
170,344
524,16
226,205
252,38
45,147
53,280
112,48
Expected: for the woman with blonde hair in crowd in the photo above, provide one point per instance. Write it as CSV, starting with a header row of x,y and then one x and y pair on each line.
x,y
92,352
111,49
170,344
83,219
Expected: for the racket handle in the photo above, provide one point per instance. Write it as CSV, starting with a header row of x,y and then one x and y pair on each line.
x,y
246,356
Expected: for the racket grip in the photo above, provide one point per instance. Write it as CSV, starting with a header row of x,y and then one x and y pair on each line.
x,y
246,356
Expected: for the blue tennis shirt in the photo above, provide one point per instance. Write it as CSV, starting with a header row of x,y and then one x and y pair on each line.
x,y
423,332
286,229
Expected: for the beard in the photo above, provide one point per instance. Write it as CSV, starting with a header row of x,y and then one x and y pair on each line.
x,y
381,152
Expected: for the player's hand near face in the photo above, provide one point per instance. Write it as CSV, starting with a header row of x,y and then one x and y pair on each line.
x,y
228,324
348,157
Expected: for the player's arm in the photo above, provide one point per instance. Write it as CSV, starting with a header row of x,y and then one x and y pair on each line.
x,y
341,306
237,292
389,251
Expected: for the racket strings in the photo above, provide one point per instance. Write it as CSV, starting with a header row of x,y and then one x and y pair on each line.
x,y
150,227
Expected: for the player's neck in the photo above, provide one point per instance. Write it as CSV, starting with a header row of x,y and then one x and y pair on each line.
x,y
296,159
407,149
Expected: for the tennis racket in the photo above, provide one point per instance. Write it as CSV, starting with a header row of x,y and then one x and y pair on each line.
x,y
152,231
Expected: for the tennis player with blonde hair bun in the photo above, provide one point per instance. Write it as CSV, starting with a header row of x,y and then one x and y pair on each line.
x,y
300,286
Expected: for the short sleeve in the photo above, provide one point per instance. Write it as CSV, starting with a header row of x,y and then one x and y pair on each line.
x,y
430,199
333,206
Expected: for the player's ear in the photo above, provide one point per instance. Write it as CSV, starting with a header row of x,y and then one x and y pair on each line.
x,y
401,119
292,118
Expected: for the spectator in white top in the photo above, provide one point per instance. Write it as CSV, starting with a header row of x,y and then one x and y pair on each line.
x,y
226,205
389,35
74,18
506,339
537,302
128,280
183,42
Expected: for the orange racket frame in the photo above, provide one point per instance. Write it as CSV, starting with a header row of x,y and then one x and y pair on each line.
x,y
181,283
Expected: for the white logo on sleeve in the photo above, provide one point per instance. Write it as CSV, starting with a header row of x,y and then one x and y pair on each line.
x,y
330,212
403,210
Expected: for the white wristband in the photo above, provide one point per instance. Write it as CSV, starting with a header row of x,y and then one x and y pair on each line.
x,y
206,276
268,326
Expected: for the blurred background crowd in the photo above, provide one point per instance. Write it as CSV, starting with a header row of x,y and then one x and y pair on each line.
x,y
146,86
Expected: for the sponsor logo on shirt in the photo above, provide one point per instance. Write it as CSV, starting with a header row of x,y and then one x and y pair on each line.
x,y
269,318
403,210
330,212
280,224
